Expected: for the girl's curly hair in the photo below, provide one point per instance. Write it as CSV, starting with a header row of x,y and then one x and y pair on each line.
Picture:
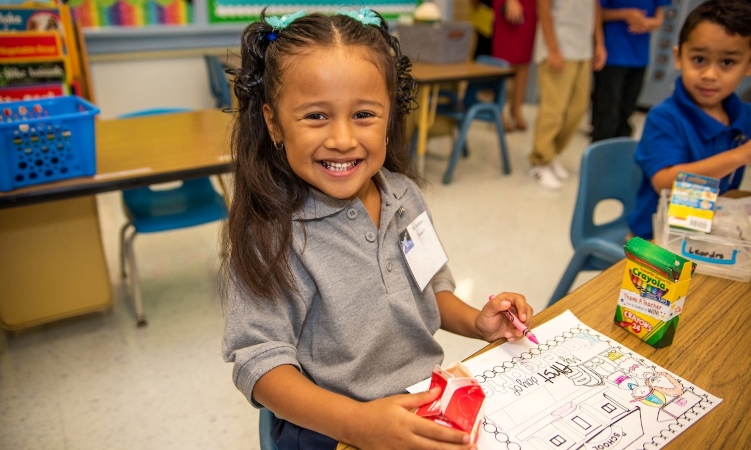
x,y
266,191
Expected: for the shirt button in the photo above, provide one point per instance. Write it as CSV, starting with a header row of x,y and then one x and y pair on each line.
x,y
389,265
370,236
352,213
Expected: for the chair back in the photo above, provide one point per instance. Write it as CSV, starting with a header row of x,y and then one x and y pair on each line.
x,y
218,82
498,87
608,171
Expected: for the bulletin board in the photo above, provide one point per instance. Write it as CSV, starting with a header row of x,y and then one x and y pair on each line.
x,y
229,11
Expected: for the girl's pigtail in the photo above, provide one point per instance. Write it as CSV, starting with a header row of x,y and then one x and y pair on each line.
x,y
406,87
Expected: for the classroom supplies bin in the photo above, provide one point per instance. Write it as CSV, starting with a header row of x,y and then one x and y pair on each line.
x,y
436,43
46,140
718,256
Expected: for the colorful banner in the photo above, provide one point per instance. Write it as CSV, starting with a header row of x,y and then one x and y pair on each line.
x,y
221,11
131,13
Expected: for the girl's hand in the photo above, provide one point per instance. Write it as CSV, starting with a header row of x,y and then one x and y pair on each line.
x,y
514,12
493,324
390,423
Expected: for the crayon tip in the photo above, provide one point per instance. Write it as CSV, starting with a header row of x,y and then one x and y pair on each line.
x,y
532,338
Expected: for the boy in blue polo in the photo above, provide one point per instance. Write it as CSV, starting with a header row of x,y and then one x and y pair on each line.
x,y
703,128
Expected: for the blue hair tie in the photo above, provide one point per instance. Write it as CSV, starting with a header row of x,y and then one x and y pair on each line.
x,y
365,16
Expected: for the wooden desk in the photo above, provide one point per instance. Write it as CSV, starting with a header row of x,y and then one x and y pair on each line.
x,y
141,151
710,349
53,264
429,76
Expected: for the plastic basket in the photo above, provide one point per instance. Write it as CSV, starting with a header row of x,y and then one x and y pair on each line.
x,y
718,256
46,140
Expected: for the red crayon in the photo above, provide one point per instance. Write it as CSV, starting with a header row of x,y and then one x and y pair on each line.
x,y
519,325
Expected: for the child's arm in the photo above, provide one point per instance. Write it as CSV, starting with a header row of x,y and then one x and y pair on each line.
x,y
628,15
545,17
600,55
717,166
386,423
489,324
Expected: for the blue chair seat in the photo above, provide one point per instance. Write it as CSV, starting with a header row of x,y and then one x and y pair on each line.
x,y
608,171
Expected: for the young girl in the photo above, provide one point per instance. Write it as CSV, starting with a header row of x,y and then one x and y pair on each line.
x,y
325,322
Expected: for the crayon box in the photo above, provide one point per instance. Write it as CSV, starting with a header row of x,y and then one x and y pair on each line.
x,y
653,292
460,405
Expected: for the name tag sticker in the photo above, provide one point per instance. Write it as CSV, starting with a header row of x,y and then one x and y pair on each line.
x,y
422,249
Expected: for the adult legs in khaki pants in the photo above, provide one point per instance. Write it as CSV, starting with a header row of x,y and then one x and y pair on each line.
x,y
564,99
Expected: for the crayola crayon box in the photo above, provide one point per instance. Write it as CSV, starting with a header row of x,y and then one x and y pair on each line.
x,y
653,292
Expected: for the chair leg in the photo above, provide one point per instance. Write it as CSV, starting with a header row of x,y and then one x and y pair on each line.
x,y
265,422
458,145
123,232
413,145
502,141
134,281
569,275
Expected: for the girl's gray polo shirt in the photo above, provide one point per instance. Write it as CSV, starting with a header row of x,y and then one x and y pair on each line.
x,y
359,325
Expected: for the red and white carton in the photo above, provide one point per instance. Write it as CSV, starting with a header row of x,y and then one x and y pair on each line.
x,y
460,405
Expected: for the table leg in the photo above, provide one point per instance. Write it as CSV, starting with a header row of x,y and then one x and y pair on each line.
x,y
423,124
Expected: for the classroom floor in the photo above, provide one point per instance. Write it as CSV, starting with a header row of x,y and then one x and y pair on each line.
x,y
98,382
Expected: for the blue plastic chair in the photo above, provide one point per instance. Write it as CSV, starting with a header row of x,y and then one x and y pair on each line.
x,y
218,82
608,171
471,108
194,202
265,420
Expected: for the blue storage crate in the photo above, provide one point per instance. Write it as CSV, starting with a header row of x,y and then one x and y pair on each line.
x,y
46,140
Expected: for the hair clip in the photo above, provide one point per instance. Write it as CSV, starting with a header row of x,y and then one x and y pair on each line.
x,y
280,23
366,16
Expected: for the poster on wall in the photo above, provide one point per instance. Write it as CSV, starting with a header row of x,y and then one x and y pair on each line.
x,y
131,13
227,11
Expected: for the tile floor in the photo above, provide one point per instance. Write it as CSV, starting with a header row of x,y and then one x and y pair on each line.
x,y
98,382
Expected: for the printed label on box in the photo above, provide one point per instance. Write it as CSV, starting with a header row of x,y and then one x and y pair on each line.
x,y
692,201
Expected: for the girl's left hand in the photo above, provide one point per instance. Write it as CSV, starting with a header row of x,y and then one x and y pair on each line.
x,y
493,324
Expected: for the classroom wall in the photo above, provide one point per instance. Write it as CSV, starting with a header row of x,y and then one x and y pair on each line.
x,y
124,86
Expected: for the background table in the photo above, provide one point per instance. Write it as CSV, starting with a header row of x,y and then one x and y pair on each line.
x,y
429,76
53,264
711,348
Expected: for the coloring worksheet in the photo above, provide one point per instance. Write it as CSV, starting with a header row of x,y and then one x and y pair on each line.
x,y
582,390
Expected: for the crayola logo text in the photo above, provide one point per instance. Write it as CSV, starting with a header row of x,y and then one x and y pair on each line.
x,y
653,281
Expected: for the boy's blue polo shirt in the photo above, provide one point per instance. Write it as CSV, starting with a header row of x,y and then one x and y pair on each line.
x,y
626,49
677,132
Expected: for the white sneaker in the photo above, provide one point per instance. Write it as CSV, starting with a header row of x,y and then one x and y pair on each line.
x,y
559,170
545,177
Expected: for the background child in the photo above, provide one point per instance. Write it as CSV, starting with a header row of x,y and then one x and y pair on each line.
x,y
569,29
513,40
627,27
325,323
703,128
